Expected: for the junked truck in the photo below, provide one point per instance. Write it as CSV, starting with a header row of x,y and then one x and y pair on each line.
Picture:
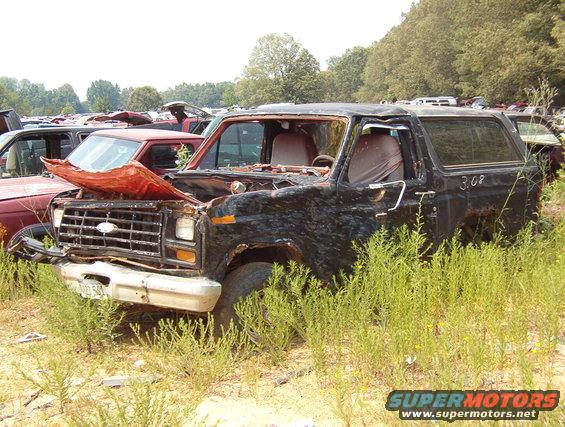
x,y
280,183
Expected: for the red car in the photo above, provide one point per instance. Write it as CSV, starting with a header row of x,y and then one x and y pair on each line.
x,y
24,201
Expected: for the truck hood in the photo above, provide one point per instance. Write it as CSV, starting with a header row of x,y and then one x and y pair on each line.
x,y
132,181
17,188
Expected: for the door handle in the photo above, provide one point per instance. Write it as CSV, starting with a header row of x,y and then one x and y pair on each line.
x,y
430,193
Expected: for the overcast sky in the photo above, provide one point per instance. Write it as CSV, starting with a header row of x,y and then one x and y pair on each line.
x,y
164,43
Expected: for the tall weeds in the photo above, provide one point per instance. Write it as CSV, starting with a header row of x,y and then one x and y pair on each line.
x,y
458,319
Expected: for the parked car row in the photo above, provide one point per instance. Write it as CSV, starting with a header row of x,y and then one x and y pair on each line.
x,y
274,184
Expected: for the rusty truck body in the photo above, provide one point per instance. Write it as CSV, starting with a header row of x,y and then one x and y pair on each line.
x,y
288,182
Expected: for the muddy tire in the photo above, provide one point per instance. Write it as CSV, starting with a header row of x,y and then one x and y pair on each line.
x,y
238,284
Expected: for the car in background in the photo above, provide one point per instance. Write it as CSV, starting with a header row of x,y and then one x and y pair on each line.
x,y
9,120
24,201
187,118
542,139
20,150
444,101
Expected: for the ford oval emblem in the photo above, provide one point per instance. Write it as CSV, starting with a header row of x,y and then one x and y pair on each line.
x,y
107,228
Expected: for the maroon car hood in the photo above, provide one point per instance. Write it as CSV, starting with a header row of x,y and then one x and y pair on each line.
x,y
132,180
17,188
128,117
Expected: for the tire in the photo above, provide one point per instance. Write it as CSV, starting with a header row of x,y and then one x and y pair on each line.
x,y
236,285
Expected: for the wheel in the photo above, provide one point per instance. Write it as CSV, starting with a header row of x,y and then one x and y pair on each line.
x,y
238,284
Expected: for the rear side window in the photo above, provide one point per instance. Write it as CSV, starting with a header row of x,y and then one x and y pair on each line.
x,y
470,142
166,156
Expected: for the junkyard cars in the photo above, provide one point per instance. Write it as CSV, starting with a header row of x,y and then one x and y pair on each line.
x,y
24,201
295,182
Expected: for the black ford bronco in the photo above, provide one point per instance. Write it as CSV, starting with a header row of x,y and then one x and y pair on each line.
x,y
290,182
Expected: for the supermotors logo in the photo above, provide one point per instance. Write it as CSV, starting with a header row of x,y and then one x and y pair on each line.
x,y
451,405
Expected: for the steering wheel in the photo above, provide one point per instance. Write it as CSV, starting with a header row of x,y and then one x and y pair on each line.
x,y
323,160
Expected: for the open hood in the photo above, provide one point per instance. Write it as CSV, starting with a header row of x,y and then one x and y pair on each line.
x,y
133,180
128,117
181,110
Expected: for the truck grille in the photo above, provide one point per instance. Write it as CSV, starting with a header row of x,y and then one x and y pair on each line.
x,y
135,230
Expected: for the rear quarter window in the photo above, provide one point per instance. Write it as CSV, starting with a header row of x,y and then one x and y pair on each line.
x,y
470,142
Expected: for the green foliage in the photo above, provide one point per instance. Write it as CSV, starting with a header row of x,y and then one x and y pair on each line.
x,y
183,156
279,70
17,278
90,324
54,377
124,96
144,98
141,406
103,96
211,95
33,99
68,109
101,105
462,48
459,317
346,74
189,349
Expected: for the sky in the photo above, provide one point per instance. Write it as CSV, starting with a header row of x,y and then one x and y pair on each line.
x,y
165,43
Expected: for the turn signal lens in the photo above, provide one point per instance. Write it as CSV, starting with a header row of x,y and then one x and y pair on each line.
x,y
186,256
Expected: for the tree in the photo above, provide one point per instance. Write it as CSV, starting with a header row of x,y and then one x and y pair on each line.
x,y
124,97
211,95
144,98
68,109
346,74
456,47
101,105
279,70
104,89
62,96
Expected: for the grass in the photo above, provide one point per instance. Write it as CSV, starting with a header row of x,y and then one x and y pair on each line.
x,y
482,316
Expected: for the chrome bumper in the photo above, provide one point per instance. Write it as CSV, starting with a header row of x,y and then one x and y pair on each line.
x,y
100,279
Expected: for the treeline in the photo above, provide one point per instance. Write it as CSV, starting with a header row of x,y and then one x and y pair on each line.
x,y
32,99
465,48
468,48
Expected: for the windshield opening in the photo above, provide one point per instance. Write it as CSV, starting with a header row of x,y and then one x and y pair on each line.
x,y
100,153
273,144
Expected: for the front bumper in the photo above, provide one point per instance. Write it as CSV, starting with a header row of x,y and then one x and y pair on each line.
x,y
99,279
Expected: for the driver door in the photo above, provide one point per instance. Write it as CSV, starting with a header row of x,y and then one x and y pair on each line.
x,y
390,200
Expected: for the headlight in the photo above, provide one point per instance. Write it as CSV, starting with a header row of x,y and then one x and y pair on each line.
x,y
57,217
185,228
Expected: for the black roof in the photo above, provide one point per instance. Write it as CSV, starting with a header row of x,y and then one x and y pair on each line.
x,y
352,109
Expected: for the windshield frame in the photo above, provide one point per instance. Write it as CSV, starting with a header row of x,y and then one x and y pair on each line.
x,y
209,142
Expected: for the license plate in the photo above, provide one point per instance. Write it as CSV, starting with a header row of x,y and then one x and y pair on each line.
x,y
90,288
